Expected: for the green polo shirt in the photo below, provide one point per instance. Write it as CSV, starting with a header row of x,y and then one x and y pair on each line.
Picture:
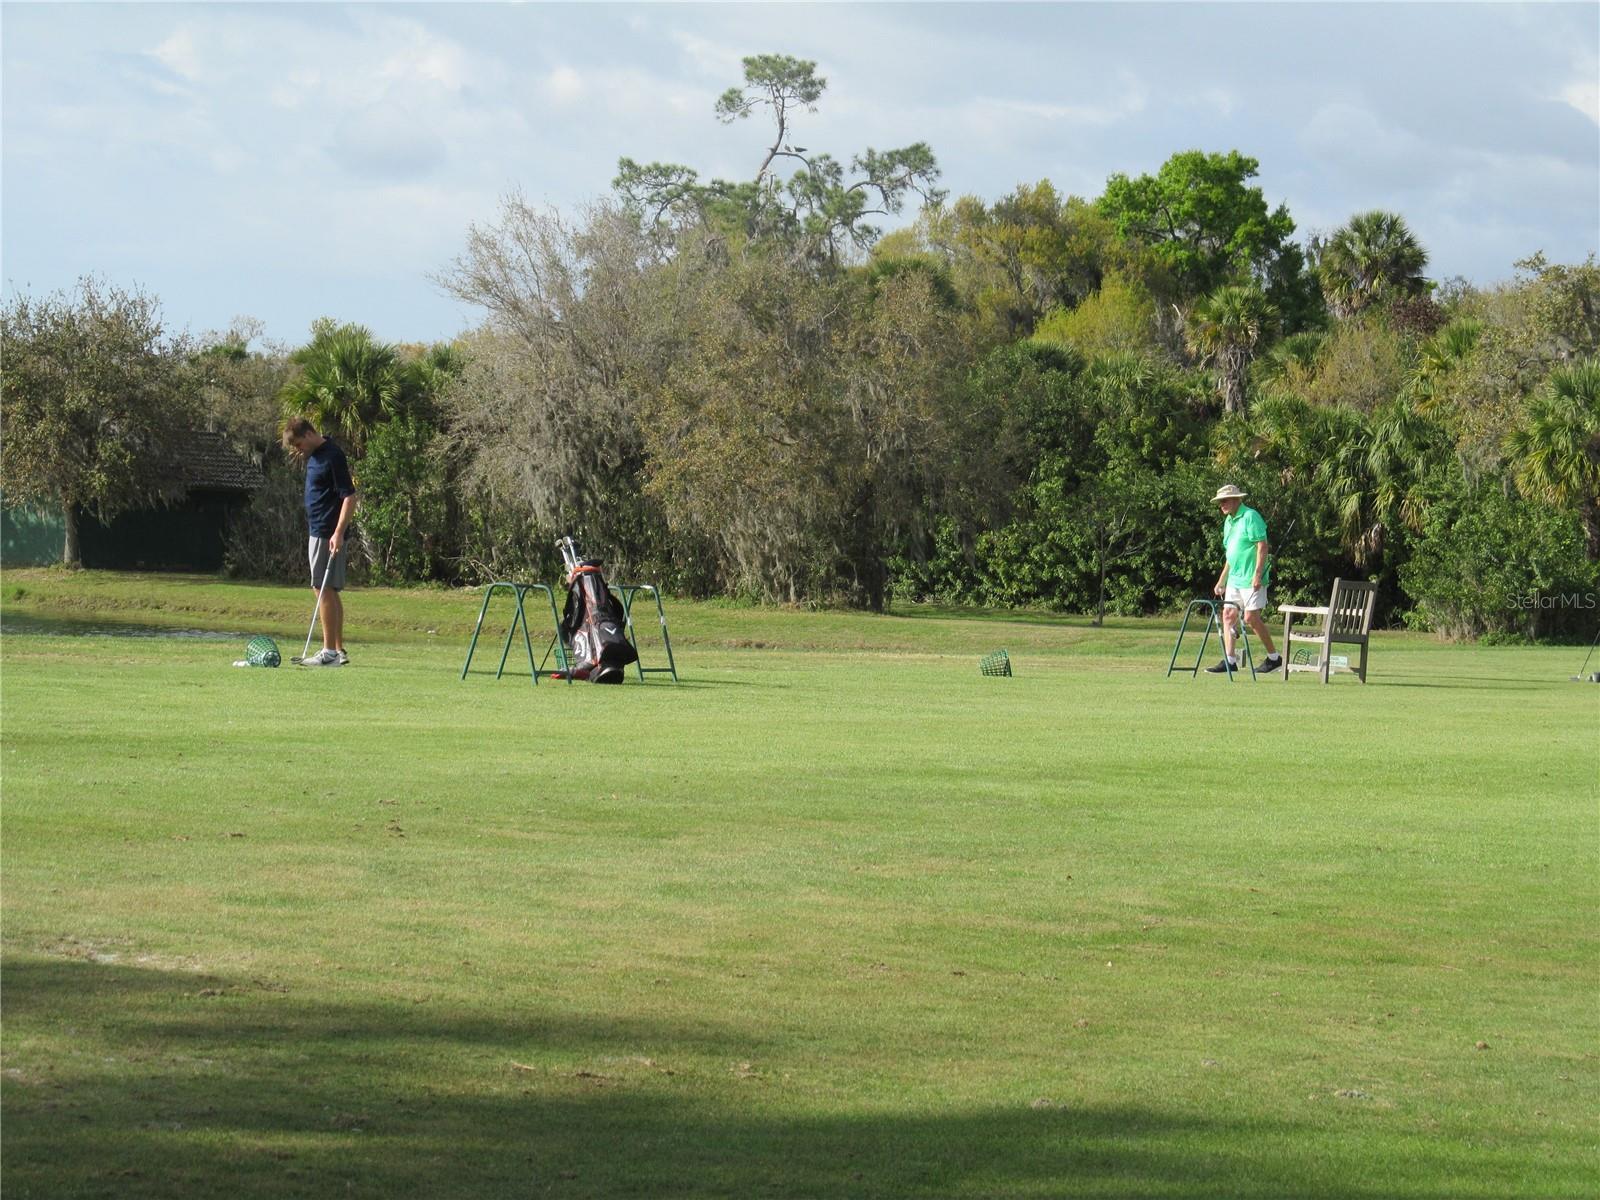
x,y
1240,533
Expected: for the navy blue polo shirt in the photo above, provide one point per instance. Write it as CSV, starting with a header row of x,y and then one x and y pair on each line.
x,y
328,482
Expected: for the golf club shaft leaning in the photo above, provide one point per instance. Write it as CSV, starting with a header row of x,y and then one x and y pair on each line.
x,y
1584,670
317,607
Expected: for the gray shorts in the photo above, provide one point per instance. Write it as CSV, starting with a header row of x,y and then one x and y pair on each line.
x,y
319,564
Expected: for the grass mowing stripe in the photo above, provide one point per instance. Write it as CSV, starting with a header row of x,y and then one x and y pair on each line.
x,y
814,923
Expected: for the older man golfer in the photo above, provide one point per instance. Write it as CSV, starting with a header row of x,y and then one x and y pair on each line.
x,y
1245,575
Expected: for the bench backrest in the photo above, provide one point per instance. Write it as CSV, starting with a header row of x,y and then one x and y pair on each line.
x,y
1350,608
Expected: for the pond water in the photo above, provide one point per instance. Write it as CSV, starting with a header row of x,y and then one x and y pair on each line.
x,y
59,627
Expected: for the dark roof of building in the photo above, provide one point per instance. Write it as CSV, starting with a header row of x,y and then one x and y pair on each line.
x,y
211,463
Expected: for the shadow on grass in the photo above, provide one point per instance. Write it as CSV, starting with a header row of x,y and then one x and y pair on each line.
x,y
163,1083
633,681
1491,683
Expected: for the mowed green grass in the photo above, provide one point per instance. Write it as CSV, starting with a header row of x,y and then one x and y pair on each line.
x,y
835,916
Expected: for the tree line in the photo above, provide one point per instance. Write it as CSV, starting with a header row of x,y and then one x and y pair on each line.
x,y
747,388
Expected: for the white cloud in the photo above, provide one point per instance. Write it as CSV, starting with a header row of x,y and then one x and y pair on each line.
x,y
1584,95
293,92
179,54
1399,168
156,140
229,160
410,224
997,117
1352,141
1468,205
628,92
563,85
385,142
712,58
1071,114
422,56
1220,99
378,96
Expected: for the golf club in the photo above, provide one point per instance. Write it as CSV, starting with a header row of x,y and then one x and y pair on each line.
x,y
1583,675
315,609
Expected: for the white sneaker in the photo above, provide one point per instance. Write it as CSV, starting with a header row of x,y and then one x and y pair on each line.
x,y
344,659
322,658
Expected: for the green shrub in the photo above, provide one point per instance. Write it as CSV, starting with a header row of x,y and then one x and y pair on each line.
x,y
402,500
267,538
1492,567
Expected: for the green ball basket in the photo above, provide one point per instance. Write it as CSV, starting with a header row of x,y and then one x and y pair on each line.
x,y
262,651
998,663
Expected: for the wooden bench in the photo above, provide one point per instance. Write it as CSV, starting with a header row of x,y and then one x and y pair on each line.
x,y
1346,621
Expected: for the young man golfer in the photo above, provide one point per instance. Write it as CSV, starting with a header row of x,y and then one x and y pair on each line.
x,y
330,499
1245,575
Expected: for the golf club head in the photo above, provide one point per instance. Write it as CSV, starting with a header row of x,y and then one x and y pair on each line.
x,y
569,552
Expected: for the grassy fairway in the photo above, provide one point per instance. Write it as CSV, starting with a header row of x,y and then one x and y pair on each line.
x,y
834,917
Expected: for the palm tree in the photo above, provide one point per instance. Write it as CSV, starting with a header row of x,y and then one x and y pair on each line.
x,y
1371,258
1557,452
425,377
348,382
1122,374
1292,359
1441,354
1377,480
1224,330
1283,432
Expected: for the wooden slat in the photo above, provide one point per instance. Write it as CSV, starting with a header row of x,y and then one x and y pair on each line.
x,y
1345,621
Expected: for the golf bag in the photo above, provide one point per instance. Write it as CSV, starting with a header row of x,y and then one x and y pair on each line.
x,y
592,625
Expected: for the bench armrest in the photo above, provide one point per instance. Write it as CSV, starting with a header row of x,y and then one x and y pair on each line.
x,y
1304,610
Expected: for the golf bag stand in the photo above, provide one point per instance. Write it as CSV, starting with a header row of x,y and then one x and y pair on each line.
x,y
629,592
593,624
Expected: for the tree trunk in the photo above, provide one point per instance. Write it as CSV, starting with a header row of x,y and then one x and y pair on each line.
x,y
871,576
877,584
1100,609
1233,364
71,554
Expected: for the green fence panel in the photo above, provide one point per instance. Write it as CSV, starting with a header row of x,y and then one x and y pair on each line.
x,y
31,536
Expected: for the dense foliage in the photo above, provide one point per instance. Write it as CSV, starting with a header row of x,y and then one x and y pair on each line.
x,y
745,388
97,397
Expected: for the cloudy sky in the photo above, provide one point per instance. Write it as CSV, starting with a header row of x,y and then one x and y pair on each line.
x,y
289,161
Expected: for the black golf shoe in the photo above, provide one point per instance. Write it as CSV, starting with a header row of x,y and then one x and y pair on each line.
x,y
1222,668
1273,662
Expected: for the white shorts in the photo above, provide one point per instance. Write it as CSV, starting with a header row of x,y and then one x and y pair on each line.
x,y
1246,599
